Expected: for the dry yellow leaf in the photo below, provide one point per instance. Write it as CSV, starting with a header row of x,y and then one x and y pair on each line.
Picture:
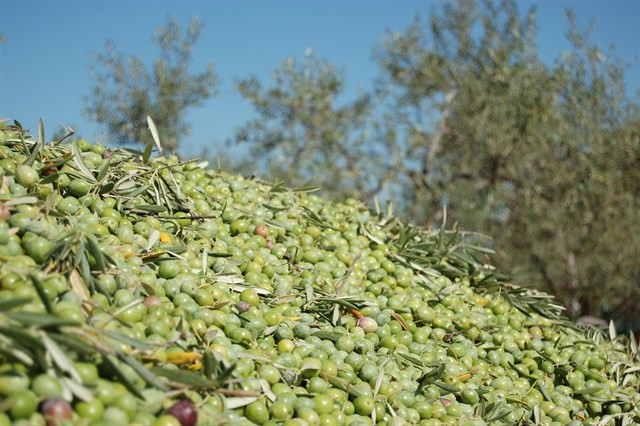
x,y
180,358
465,377
196,366
78,285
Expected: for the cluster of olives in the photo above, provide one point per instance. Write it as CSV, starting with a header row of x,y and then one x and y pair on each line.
x,y
309,309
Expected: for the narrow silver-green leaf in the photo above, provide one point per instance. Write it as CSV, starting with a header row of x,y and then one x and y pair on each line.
x,y
147,153
154,133
121,376
103,170
142,371
380,378
27,199
77,159
266,389
95,251
139,344
154,237
39,320
77,389
41,293
612,330
41,131
239,401
184,377
152,208
8,304
50,178
59,357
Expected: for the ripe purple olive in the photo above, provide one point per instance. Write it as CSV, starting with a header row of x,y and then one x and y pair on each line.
x,y
261,230
150,301
5,214
369,325
243,306
185,412
446,402
55,411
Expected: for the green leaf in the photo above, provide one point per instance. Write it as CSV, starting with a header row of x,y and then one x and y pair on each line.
x,y
73,343
77,158
50,178
59,357
214,254
106,187
103,170
77,389
61,161
306,188
154,133
210,364
41,131
380,377
34,154
41,293
587,391
27,199
16,354
152,208
8,304
111,363
184,377
154,237
139,344
612,331
278,187
344,385
479,249
142,371
239,401
22,337
139,191
147,153
40,320
95,251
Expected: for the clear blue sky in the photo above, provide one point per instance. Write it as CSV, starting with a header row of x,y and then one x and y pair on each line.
x,y
48,46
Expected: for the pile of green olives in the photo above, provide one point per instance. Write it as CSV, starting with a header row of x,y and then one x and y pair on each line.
x,y
253,303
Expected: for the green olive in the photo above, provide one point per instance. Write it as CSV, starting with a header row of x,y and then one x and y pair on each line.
x,y
46,386
23,404
79,187
26,175
38,248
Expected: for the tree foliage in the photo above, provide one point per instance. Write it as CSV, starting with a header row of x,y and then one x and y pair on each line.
x,y
305,130
126,91
543,157
528,153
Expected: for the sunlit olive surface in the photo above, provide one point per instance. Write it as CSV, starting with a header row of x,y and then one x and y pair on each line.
x,y
142,289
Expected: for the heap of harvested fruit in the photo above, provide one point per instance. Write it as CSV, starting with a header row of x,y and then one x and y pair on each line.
x,y
155,291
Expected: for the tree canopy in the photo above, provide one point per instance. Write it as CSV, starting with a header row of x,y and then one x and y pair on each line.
x,y
126,91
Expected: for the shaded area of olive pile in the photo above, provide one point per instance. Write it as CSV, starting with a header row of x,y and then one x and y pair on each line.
x,y
158,292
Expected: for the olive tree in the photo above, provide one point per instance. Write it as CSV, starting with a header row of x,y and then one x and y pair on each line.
x,y
542,157
305,129
125,91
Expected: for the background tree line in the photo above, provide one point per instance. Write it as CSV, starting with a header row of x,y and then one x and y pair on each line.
x,y
465,114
